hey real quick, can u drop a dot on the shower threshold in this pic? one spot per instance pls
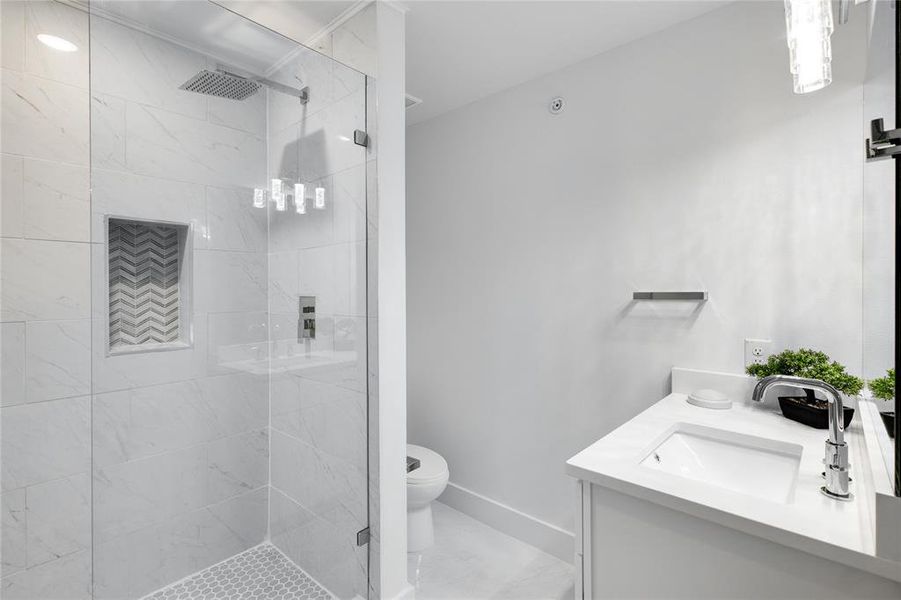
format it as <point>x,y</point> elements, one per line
<point>260,573</point>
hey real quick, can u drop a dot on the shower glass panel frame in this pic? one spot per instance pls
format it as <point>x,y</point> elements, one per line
<point>249,446</point>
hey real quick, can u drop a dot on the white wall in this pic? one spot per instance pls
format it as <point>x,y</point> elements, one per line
<point>682,161</point>
<point>390,520</point>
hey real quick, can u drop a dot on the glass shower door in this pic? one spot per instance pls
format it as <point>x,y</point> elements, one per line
<point>228,248</point>
<point>318,310</point>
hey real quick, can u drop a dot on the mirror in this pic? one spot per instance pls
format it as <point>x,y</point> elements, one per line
<point>879,227</point>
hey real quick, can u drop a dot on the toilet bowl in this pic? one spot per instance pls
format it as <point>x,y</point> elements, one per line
<point>424,485</point>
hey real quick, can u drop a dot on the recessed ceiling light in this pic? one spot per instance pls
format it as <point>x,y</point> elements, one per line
<point>57,43</point>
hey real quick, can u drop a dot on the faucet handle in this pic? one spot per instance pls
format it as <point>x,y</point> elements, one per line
<point>837,455</point>
<point>837,474</point>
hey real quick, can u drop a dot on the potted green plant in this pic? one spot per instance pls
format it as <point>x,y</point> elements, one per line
<point>812,364</point>
<point>884,389</point>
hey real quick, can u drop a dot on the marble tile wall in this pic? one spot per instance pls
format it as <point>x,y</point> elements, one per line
<point>318,452</point>
<point>45,307</point>
<point>180,437</point>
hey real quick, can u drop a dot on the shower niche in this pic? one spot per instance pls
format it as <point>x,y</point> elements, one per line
<point>148,282</point>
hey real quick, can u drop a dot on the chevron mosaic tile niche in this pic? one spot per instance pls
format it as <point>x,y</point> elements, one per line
<point>144,284</point>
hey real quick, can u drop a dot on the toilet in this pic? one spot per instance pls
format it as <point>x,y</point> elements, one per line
<point>424,484</point>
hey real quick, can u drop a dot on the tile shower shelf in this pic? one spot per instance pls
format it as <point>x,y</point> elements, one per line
<point>299,362</point>
<point>143,348</point>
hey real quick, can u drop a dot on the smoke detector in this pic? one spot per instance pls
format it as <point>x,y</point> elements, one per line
<point>555,107</point>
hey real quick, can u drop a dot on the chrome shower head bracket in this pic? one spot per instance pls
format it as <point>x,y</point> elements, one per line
<point>302,93</point>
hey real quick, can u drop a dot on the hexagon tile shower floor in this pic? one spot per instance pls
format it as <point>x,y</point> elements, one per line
<point>261,573</point>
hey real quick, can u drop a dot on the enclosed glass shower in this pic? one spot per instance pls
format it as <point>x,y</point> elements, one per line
<point>184,307</point>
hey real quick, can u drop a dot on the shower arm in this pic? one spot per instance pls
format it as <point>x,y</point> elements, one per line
<point>303,93</point>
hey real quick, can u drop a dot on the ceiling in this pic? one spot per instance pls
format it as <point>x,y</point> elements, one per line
<point>204,26</point>
<point>462,51</point>
<point>301,20</point>
<point>458,51</point>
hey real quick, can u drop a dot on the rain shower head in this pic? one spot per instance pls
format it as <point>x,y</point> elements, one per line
<point>223,84</point>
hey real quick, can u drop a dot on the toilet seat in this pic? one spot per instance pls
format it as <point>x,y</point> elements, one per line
<point>432,466</point>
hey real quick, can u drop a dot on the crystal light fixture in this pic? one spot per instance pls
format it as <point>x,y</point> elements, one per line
<point>808,25</point>
<point>276,188</point>
<point>319,197</point>
<point>259,198</point>
<point>300,199</point>
<point>277,194</point>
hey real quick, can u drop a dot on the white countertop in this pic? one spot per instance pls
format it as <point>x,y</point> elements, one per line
<point>811,522</point>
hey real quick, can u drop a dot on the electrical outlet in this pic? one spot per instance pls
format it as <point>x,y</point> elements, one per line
<point>757,351</point>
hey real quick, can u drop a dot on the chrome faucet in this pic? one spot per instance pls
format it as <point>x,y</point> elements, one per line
<point>837,468</point>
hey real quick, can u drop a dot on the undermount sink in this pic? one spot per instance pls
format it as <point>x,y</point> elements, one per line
<point>741,463</point>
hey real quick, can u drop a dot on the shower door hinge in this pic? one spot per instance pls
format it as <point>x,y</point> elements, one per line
<point>363,537</point>
<point>882,143</point>
<point>361,138</point>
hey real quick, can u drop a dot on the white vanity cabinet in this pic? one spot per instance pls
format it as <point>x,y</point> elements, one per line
<point>628,547</point>
<point>699,529</point>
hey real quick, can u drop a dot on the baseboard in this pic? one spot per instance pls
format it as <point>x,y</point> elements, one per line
<point>408,593</point>
<point>535,532</point>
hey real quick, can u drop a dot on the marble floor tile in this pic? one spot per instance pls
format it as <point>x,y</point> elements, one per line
<point>473,561</point>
